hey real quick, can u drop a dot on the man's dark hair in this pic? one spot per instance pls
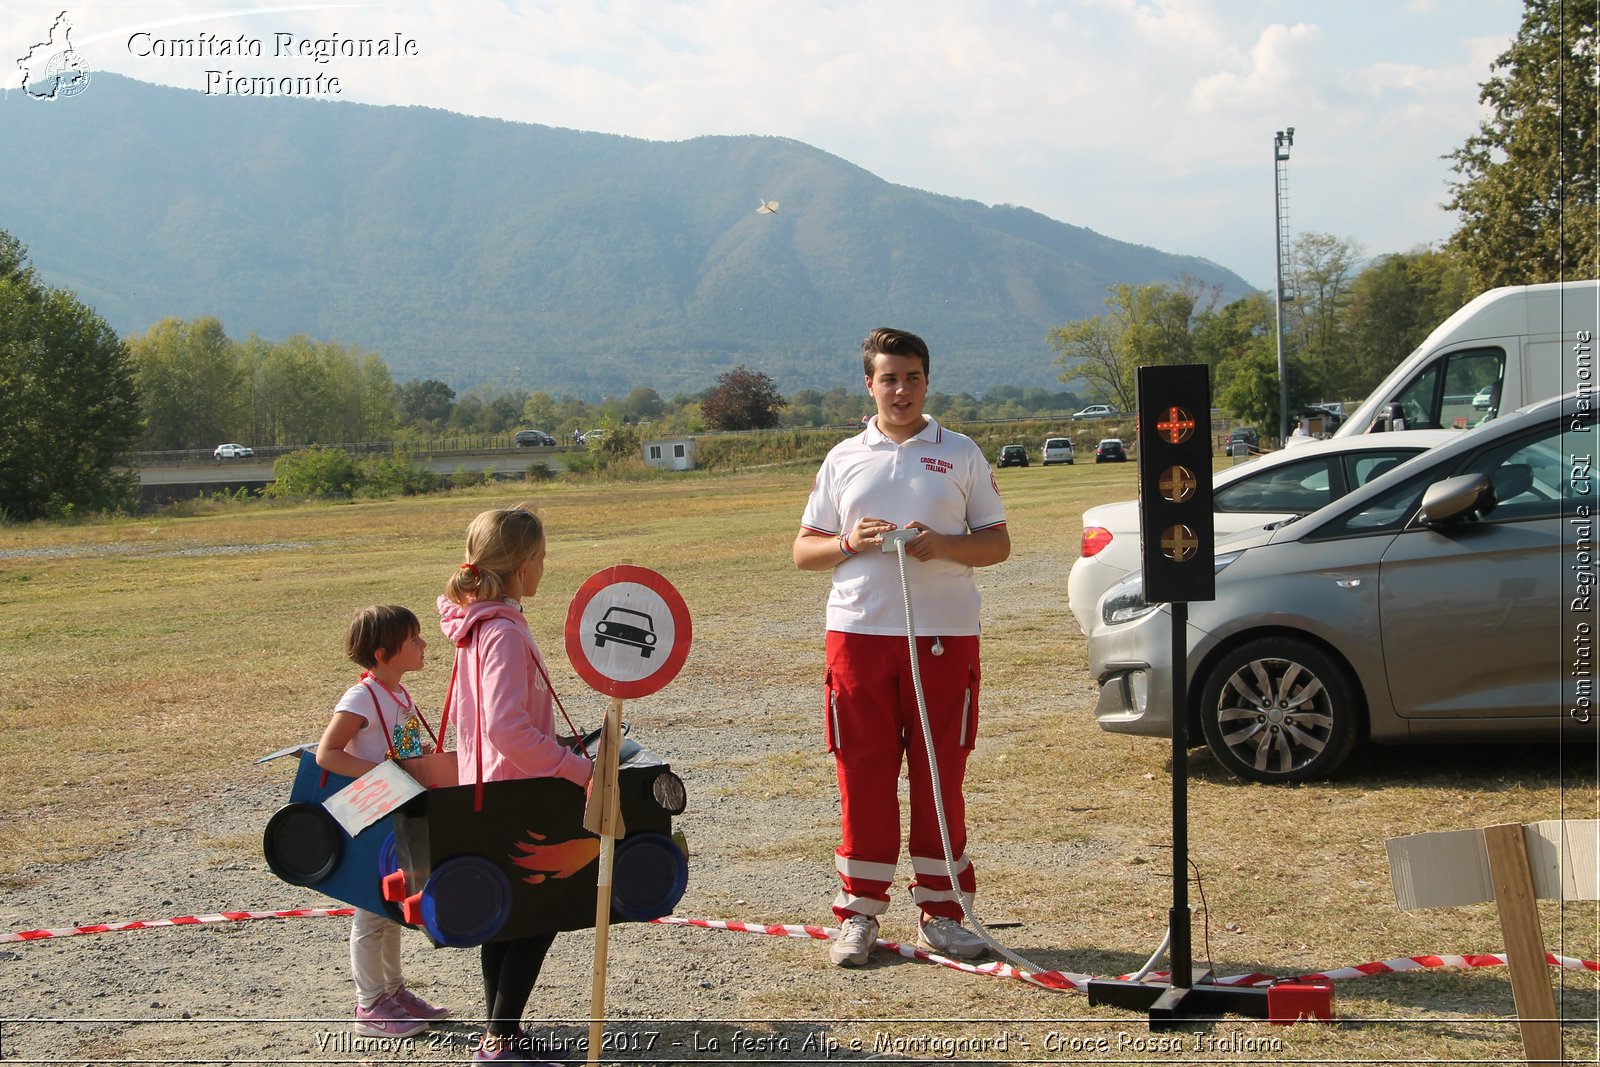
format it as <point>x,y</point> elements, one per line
<point>892,343</point>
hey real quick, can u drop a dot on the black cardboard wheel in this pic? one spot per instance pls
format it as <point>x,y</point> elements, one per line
<point>302,844</point>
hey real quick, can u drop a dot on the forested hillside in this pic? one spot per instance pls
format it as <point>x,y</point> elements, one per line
<point>477,251</point>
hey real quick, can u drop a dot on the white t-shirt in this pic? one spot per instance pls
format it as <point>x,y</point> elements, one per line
<point>400,715</point>
<point>939,478</point>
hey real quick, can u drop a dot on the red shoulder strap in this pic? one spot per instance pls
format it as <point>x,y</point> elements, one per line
<point>377,706</point>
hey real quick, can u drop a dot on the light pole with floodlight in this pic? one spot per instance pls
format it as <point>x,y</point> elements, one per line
<point>1281,143</point>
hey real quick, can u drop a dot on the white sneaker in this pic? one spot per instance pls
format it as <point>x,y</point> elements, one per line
<point>857,935</point>
<point>949,938</point>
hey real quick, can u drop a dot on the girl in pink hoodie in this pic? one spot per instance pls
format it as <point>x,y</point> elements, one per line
<point>505,725</point>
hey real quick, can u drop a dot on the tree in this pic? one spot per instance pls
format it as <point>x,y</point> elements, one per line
<point>1393,305</point>
<point>743,399</point>
<point>540,411</point>
<point>1314,325</point>
<point>69,406</point>
<point>314,471</point>
<point>1147,324</point>
<point>426,403</point>
<point>1526,191</point>
<point>191,384</point>
<point>379,399</point>
<point>1249,388</point>
<point>642,403</point>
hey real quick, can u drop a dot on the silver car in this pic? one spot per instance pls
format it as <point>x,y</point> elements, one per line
<point>1290,481</point>
<point>1451,599</point>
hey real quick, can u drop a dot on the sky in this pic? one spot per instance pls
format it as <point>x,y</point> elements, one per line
<point>1149,121</point>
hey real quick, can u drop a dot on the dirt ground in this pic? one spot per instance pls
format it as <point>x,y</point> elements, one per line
<point>761,822</point>
<point>744,734</point>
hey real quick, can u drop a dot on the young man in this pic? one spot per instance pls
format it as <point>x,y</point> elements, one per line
<point>903,471</point>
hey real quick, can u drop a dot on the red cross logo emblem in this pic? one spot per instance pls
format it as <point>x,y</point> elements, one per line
<point>1177,427</point>
<point>1177,484</point>
<point>1179,543</point>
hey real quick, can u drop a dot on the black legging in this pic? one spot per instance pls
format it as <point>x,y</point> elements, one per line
<point>509,970</point>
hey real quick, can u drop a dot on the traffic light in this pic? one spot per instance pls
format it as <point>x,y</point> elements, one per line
<point>1177,533</point>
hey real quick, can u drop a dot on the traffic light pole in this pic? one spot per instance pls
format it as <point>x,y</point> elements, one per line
<point>1180,952</point>
<point>1174,439</point>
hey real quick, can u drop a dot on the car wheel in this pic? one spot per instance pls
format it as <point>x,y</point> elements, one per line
<point>1279,709</point>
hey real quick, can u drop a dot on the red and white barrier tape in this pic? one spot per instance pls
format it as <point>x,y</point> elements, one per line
<point>182,920</point>
<point>1079,982</point>
<point>1059,980</point>
<point>1048,979</point>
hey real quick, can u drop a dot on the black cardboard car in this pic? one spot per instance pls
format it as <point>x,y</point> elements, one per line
<point>1012,456</point>
<point>469,867</point>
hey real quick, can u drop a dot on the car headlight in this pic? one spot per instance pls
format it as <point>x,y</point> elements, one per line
<point>1126,602</point>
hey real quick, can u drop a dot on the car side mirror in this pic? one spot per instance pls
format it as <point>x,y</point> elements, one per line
<point>1392,417</point>
<point>1448,500</point>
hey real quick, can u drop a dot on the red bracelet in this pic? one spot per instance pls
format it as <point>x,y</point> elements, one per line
<point>844,543</point>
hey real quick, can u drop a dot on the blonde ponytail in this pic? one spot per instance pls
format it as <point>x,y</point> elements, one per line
<point>498,542</point>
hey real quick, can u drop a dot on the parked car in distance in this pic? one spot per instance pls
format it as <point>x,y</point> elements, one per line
<point>534,438</point>
<point>1244,496</point>
<point>1095,411</point>
<point>1484,398</point>
<point>593,437</point>
<point>1056,450</point>
<point>1110,450</point>
<point>1427,605</point>
<point>233,452</point>
<point>1246,435</point>
<point>1012,456</point>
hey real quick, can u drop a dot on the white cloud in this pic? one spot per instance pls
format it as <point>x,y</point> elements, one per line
<point>1149,120</point>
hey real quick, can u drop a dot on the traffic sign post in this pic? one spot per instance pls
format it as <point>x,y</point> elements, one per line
<point>627,635</point>
<point>1177,547</point>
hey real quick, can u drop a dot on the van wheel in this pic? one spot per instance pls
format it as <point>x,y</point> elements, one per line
<point>1280,709</point>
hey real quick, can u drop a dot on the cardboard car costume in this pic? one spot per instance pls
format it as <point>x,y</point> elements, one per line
<point>522,864</point>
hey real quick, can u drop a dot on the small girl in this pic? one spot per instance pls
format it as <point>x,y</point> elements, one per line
<point>375,720</point>
<point>502,672</point>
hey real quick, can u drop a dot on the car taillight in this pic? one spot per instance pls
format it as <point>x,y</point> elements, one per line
<point>1095,538</point>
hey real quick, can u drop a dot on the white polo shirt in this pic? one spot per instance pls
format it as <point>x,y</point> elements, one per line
<point>939,478</point>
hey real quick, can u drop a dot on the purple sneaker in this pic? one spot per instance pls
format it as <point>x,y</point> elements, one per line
<point>418,1008</point>
<point>386,1018</point>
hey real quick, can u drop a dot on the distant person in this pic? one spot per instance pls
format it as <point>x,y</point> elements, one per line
<point>903,471</point>
<point>375,720</point>
<point>509,694</point>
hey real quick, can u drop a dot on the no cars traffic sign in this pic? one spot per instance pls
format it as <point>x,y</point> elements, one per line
<point>628,631</point>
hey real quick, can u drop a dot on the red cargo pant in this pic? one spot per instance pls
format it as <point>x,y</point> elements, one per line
<point>872,725</point>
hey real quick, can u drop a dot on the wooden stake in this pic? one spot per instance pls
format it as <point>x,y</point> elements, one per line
<point>605,796</point>
<point>1524,943</point>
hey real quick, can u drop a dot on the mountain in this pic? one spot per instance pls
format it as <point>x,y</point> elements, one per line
<point>478,250</point>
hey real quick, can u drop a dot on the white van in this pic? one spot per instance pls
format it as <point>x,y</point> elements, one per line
<point>1504,349</point>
